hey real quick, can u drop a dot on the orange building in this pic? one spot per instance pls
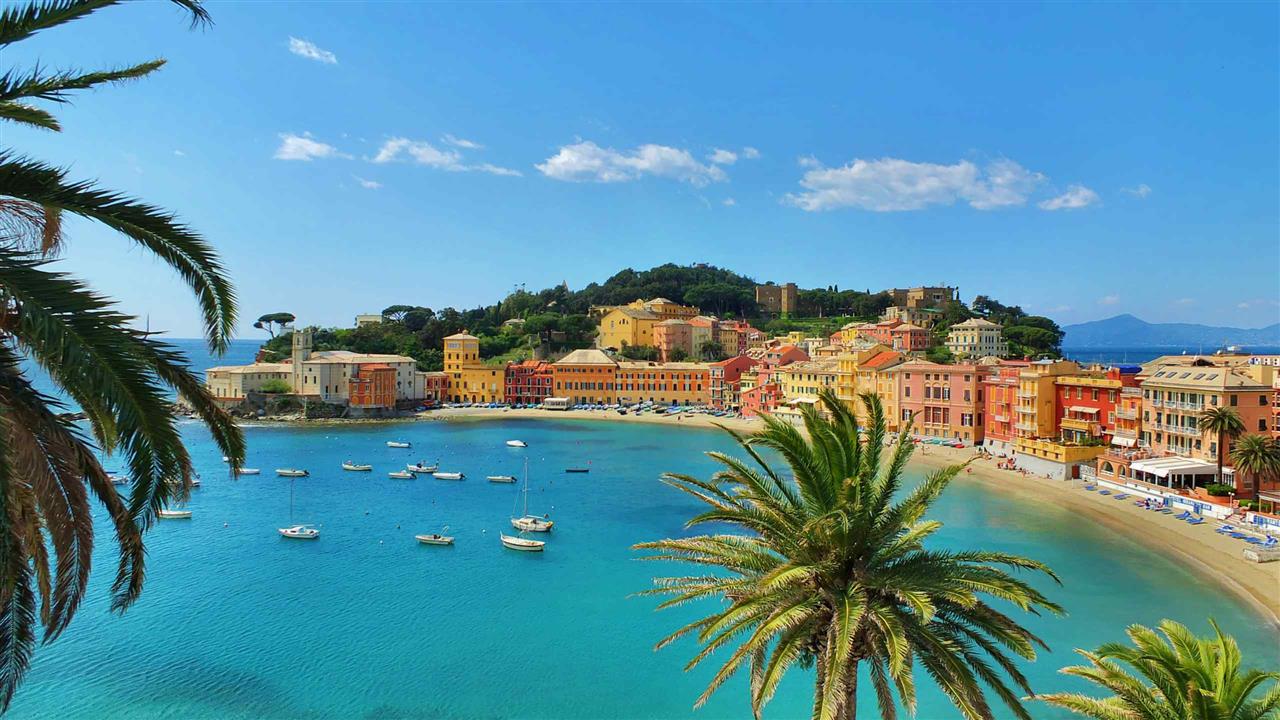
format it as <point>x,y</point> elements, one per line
<point>585,376</point>
<point>528,382</point>
<point>673,383</point>
<point>373,387</point>
<point>1000,403</point>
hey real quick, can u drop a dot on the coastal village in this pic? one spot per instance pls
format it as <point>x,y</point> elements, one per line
<point>1133,428</point>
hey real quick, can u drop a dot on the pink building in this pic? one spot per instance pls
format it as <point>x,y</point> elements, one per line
<point>726,377</point>
<point>761,399</point>
<point>671,335</point>
<point>945,400</point>
<point>999,385</point>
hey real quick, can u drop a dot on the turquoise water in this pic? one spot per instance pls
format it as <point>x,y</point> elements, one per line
<point>236,622</point>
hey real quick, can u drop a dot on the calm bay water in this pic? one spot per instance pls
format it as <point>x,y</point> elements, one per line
<point>236,622</point>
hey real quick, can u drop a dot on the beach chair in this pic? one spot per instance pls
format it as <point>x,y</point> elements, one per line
<point>1091,488</point>
<point>1182,515</point>
<point>1195,521</point>
<point>1104,492</point>
<point>1121,496</point>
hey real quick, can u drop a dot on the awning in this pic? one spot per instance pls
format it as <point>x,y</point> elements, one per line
<point>1166,466</point>
<point>1123,441</point>
<point>1083,409</point>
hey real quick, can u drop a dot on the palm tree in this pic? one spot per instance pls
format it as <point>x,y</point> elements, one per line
<point>118,376</point>
<point>832,569</point>
<point>1226,424</point>
<point>1179,677</point>
<point>1257,457</point>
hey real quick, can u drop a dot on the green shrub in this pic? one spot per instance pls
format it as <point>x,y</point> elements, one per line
<point>1218,489</point>
<point>1249,504</point>
<point>276,386</point>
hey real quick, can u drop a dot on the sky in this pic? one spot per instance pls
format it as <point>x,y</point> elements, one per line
<point>1079,160</point>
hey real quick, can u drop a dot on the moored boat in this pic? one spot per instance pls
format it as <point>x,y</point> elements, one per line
<point>448,475</point>
<point>435,539</point>
<point>527,522</point>
<point>356,467</point>
<point>517,443</point>
<point>300,532</point>
<point>577,470</point>
<point>168,514</point>
<point>420,468</point>
<point>401,475</point>
<point>501,478</point>
<point>398,444</point>
<point>291,472</point>
<point>512,542</point>
<point>248,471</point>
<point>118,479</point>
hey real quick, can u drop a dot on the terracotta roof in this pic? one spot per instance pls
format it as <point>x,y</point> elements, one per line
<point>882,360</point>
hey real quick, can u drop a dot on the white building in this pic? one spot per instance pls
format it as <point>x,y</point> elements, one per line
<point>362,320</point>
<point>977,338</point>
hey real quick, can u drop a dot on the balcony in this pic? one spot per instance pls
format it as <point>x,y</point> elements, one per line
<point>1153,402</point>
<point>1023,395</point>
<point>1026,411</point>
<point>1026,426</point>
<point>1121,433</point>
<point>1090,427</point>
<point>1127,414</point>
<point>1000,418</point>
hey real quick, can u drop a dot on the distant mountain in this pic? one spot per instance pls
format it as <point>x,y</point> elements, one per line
<point>1127,331</point>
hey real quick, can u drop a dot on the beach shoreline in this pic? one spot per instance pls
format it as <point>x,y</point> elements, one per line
<point>1205,552</point>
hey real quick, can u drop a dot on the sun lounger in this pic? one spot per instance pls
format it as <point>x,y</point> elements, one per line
<point>1182,515</point>
<point>1121,496</point>
<point>1195,521</point>
<point>1104,492</point>
<point>1091,488</point>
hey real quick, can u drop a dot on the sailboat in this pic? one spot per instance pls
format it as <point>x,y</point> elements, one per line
<point>527,522</point>
<point>512,542</point>
<point>297,532</point>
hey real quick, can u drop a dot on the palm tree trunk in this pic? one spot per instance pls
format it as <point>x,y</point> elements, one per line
<point>850,709</point>
<point>1219,478</point>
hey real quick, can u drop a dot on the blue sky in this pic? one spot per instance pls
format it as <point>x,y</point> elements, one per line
<point>1079,160</point>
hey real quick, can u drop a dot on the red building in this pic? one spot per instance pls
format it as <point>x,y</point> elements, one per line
<point>1085,405</point>
<point>726,376</point>
<point>435,387</point>
<point>903,337</point>
<point>528,382</point>
<point>374,386</point>
<point>761,399</point>
<point>1000,403</point>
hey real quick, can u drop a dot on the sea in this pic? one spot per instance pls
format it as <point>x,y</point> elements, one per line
<point>237,622</point>
<point>1139,355</point>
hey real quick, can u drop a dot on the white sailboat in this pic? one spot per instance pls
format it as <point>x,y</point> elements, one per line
<point>419,467</point>
<point>168,514</point>
<point>401,475</point>
<point>501,478</point>
<point>248,471</point>
<point>398,444</point>
<point>290,472</point>
<point>517,443</point>
<point>527,522</point>
<point>356,467</point>
<point>447,476</point>
<point>512,542</point>
<point>297,532</point>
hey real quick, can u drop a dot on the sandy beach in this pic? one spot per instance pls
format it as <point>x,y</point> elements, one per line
<point>1214,556</point>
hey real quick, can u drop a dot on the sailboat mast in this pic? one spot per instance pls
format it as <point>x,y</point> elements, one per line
<point>291,481</point>
<point>526,487</point>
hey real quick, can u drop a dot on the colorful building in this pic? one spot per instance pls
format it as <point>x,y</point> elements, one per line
<point>895,334</point>
<point>1037,407</point>
<point>924,317</point>
<point>778,299</point>
<point>1086,404</point>
<point>470,379</point>
<point>585,376</point>
<point>373,387</point>
<point>942,400</point>
<point>977,338</point>
<point>673,383</point>
<point>802,383</point>
<point>626,326</point>
<point>703,332</point>
<point>1000,403</point>
<point>674,339</point>
<point>923,297</point>
<point>726,381</point>
<point>528,382</point>
<point>1175,395</point>
<point>760,394</point>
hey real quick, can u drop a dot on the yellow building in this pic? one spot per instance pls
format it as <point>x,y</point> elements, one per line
<point>673,383</point>
<point>232,382</point>
<point>665,309</point>
<point>1036,397</point>
<point>801,383</point>
<point>470,379</point>
<point>861,371</point>
<point>626,326</point>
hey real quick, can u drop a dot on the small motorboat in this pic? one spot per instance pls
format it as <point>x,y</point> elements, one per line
<point>118,479</point>
<point>167,514</point>
<point>501,478</point>
<point>356,467</point>
<point>577,470</point>
<point>172,482</point>
<point>435,539</point>
<point>517,443</point>
<point>226,458</point>
<point>447,476</point>
<point>401,475</point>
<point>290,472</point>
<point>532,523</point>
<point>420,468</point>
<point>398,444</point>
<point>248,471</point>
<point>512,542</point>
<point>300,532</point>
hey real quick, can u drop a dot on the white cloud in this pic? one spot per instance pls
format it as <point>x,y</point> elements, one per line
<point>1184,301</point>
<point>421,152</point>
<point>808,161</point>
<point>1076,196</point>
<point>1109,300</point>
<point>1141,190</point>
<point>723,157</point>
<point>892,184</point>
<point>728,202</point>
<point>461,142</point>
<point>750,153</point>
<point>584,161</point>
<point>1258,303</point>
<point>179,153</point>
<point>304,147</point>
<point>367,184</point>
<point>310,51</point>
